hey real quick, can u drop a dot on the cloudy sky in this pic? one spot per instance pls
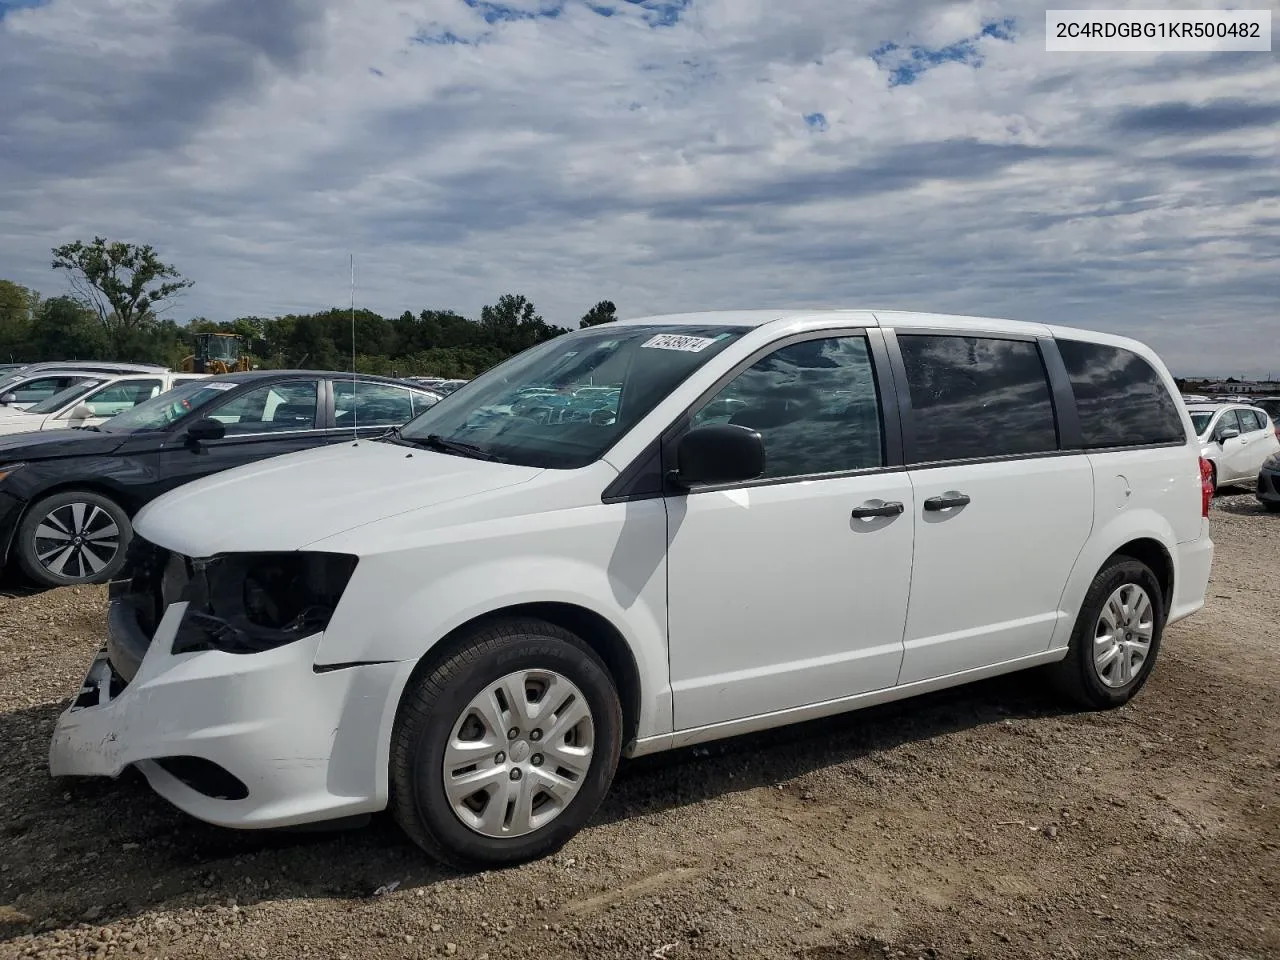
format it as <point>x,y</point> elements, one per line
<point>665,154</point>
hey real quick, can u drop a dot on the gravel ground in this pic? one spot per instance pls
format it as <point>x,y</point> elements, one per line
<point>981,822</point>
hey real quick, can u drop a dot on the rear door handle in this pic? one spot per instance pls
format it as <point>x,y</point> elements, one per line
<point>946,501</point>
<point>877,508</point>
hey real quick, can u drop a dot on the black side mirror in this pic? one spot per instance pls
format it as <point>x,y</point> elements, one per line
<point>206,429</point>
<point>719,453</point>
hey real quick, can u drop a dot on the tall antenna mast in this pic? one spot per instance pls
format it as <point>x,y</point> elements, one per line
<point>355,407</point>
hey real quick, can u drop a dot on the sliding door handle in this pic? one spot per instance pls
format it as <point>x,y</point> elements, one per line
<point>877,508</point>
<point>947,501</point>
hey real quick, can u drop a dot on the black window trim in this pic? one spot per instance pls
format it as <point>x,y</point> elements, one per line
<point>630,482</point>
<point>1178,405</point>
<point>1062,399</point>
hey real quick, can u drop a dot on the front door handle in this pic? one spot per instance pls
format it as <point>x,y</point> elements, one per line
<point>877,508</point>
<point>947,501</point>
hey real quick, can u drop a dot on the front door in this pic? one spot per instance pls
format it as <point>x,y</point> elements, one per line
<point>1001,513</point>
<point>789,590</point>
<point>105,402</point>
<point>1237,457</point>
<point>270,420</point>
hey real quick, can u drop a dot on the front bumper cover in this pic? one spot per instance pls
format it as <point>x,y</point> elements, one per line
<point>307,746</point>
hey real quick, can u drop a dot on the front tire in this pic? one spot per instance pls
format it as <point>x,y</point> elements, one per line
<point>1116,639</point>
<point>505,749</point>
<point>73,537</point>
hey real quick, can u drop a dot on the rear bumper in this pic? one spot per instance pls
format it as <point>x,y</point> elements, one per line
<point>304,746</point>
<point>1194,564</point>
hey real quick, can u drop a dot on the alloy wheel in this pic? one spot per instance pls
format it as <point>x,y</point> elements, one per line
<point>76,540</point>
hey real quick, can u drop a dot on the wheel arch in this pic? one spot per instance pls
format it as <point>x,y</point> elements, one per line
<point>1145,535</point>
<point>1157,557</point>
<point>129,504</point>
<point>593,628</point>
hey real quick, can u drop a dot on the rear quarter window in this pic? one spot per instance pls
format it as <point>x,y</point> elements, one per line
<point>1121,399</point>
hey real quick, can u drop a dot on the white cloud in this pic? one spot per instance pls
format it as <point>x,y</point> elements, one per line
<point>666,167</point>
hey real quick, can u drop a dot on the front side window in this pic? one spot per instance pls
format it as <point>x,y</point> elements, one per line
<point>1230,420</point>
<point>170,407</point>
<point>541,408</point>
<point>121,396</point>
<point>40,388</point>
<point>1121,399</point>
<point>814,403</point>
<point>271,408</point>
<point>60,399</point>
<point>364,404</point>
<point>976,397</point>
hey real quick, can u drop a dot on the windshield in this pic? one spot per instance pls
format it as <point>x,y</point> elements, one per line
<point>158,412</point>
<point>64,396</point>
<point>563,403</point>
<point>1200,422</point>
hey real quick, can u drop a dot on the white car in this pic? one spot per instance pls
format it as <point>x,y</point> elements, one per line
<point>1235,438</point>
<point>469,620</point>
<point>90,399</point>
<point>27,385</point>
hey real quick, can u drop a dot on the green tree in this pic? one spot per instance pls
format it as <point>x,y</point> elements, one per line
<point>18,305</point>
<point>125,284</point>
<point>65,329</point>
<point>602,312</point>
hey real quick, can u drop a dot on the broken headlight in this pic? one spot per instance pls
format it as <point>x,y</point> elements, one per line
<point>250,602</point>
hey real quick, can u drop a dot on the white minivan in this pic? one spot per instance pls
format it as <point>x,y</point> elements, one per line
<point>469,619</point>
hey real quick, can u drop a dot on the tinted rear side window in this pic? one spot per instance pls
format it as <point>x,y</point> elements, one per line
<point>977,397</point>
<point>1121,399</point>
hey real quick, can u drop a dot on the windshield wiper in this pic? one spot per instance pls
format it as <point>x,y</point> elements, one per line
<point>433,441</point>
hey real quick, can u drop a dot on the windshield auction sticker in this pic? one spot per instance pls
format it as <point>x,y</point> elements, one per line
<point>671,341</point>
<point>1155,31</point>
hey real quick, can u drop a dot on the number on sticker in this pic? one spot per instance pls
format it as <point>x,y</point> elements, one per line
<point>672,341</point>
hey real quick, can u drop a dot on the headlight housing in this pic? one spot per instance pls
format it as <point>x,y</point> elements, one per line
<point>1272,462</point>
<point>251,602</point>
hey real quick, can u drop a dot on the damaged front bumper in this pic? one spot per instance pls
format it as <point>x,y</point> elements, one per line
<point>258,740</point>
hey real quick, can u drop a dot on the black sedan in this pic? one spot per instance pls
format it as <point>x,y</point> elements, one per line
<point>67,496</point>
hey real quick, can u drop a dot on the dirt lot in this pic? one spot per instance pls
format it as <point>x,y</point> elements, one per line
<point>982,822</point>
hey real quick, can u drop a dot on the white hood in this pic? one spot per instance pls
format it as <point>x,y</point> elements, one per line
<point>19,421</point>
<point>288,502</point>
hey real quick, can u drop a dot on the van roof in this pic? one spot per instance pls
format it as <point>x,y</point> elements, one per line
<point>854,317</point>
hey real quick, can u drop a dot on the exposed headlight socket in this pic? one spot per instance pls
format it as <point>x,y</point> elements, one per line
<point>250,602</point>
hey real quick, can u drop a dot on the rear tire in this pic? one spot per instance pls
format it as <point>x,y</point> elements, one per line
<point>72,537</point>
<point>1271,506</point>
<point>1116,639</point>
<point>532,791</point>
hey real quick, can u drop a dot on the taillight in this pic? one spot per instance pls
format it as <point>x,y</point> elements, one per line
<point>1206,486</point>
